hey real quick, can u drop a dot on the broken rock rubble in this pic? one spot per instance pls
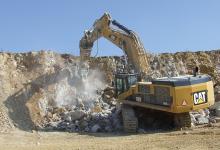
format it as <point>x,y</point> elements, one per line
<point>75,119</point>
<point>202,117</point>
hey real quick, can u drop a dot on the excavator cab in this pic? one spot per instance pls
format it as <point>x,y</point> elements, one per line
<point>124,81</point>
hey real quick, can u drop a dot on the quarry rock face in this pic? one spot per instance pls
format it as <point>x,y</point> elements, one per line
<point>44,90</point>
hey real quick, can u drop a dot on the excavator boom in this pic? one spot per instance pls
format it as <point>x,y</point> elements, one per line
<point>119,35</point>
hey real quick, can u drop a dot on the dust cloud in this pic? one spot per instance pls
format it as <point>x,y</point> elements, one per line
<point>79,87</point>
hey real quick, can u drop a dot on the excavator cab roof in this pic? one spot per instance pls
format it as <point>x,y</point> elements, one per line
<point>124,75</point>
<point>182,80</point>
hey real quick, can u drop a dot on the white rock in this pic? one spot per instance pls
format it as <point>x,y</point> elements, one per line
<point>68,118</point>
<point>107,112</point>
<point>193,119</point>
<point>95,128</point>
<point>141,131</point>
<point>77,114</point>
<point>54,124</point>
<point>202,120</point>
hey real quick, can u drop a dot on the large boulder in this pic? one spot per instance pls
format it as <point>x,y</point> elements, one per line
<point>95,128</point>
<point>76,115</point>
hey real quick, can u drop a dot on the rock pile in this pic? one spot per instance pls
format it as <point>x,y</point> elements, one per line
<point>202,117</point>
<point>79,104</point>
<point>103,117</point>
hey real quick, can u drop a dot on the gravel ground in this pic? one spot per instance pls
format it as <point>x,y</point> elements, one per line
<point>202,138</point>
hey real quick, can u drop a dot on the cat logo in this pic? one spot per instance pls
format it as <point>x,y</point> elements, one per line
<point>200,97</point>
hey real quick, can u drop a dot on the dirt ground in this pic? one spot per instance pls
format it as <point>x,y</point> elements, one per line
<point>197,139</point>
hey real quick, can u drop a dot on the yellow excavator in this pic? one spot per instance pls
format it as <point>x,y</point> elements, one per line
<point>176,96</point>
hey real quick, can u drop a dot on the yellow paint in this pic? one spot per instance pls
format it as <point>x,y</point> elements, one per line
<point>179,94</point>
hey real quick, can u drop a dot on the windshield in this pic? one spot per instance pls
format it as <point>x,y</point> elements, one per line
<point>132,80</point>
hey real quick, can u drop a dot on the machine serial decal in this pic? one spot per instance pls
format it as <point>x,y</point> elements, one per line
<point>200,97</point>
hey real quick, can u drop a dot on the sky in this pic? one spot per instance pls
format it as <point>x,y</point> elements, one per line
<point>162,25</point>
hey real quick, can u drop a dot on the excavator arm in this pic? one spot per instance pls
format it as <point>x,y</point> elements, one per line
<point>119,35</point>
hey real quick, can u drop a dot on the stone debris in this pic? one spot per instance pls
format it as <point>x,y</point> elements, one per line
<point>95,128</point>
<point>75,119</point>
<point>202,117</point>
<point>215,109</point>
